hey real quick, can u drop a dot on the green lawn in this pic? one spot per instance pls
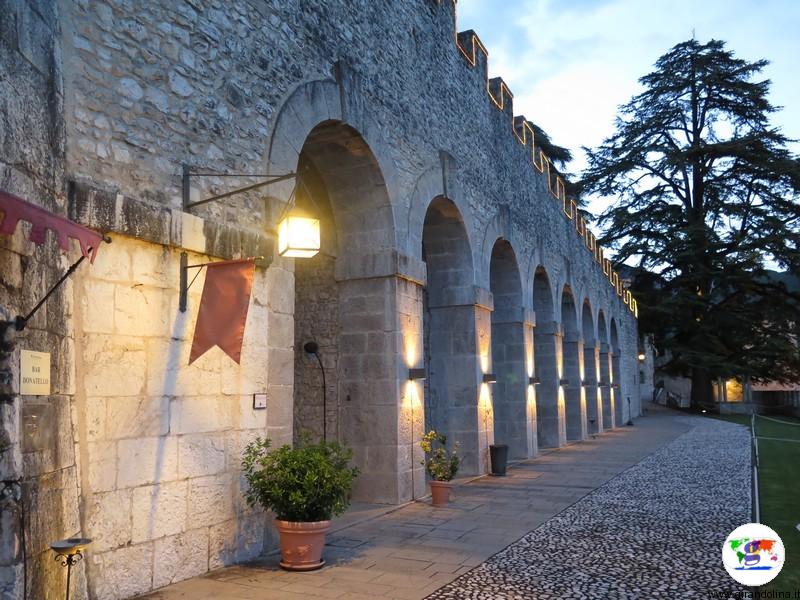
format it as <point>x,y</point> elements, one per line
<point>779,481</point>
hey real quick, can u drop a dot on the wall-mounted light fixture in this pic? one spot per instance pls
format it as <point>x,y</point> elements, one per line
<point>563,382</point>
<point>417,373</point>
<point>534,381</point>
<point>642,356</point>
<point>615,386</point>
<point>489,378</point>
<point>603,384</point>
<point>297,230</point>
<point>587,383</point>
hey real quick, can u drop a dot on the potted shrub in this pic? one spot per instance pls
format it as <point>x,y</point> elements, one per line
<point>440,465</point>
<point>305,487</point>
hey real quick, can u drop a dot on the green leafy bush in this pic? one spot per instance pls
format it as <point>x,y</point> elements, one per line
<point>308,483</point>
<point>440,465</point>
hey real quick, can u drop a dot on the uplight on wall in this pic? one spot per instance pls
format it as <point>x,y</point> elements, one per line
<point>534,381</point>
<point>642,356</point>
<point>563,382</point>
<point>416,374</point>
<point>489,378</point>
<point>298,235</point>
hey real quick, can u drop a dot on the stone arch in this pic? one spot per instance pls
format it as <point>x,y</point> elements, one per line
<point>591,357</point>
<point>454,327</point>
<point>616,387</point>
<point>514,423</point>
<point>547,347</point>
<point>571,361</point>
<point>340,303</point>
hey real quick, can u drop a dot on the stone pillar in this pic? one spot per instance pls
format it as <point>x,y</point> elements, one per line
<point>573,390</point>
<point>550,416</point>
<point>381,413</point>
<point>530,390</point>
<point>617,399</point>
<point>513,418</point>
<point>594,403</point>
<point>606,397</point>
<point>459,342</point>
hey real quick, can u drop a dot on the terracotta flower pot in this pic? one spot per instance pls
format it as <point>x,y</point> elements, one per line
<point>440,492</point>
<point>301,544</point>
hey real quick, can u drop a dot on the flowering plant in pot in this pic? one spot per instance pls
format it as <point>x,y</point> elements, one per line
<point>440,465</point>
<point>305,487</point>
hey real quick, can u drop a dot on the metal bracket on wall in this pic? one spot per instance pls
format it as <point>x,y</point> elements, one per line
<point>188,174</point>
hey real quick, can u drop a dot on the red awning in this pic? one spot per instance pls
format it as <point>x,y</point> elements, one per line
<point>16,209</point>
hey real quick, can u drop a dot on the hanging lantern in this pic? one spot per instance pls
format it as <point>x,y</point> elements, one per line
<point>298,235</point>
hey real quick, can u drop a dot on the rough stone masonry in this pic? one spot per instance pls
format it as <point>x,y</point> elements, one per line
<point>447,244</point>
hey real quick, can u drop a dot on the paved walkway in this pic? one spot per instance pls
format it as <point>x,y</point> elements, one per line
<point>413,551</point>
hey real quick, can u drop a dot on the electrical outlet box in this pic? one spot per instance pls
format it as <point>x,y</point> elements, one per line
<point>259,401</point>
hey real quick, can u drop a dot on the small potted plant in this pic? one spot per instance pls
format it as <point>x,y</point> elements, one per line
<point>440,465</point>
<point>305,487</point>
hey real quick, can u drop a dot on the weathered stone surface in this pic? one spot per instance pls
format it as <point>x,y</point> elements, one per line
<point>147,460</point>
<point>181,556</point>
<point>124,572</point>
<point>159,510</point>
<point>108,519</point>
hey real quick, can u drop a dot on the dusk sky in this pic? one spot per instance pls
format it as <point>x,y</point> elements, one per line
<point>570,64</point>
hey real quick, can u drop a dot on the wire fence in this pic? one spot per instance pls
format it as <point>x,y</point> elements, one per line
<point>754,461</point>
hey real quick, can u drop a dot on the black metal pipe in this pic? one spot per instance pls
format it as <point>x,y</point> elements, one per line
<point>313,348</point>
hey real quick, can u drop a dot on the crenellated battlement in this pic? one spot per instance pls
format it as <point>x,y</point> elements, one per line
<point>476,55</point>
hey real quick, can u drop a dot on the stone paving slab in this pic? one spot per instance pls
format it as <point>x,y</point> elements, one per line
<point>410,552</point>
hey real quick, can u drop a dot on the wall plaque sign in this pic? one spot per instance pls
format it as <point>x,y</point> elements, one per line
<point>34,373</point>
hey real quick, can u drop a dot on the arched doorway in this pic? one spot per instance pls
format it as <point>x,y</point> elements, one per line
<point>550,422</point>
<point>349,313</point>
<point>572,358</point>
<point>514,423</point>
<point>453,325</point>
<point>594,405</point>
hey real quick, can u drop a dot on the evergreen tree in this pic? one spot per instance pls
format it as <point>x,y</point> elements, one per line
<point>706,200</point>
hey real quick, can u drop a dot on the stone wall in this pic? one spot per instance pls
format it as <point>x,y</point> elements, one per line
<point>394,111</point>
<point>37,459</point>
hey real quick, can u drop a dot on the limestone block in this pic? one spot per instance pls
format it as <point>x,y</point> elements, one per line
<point>235,443</point>
<point>159,510</point>
<point>257,330</point>
<point>279,289</point>
<point>180,557</point>
<point>281,366</point>
<point>124,572</point>
<point>281,330</point>
<point>113,262</point>
<point>250,375</point>
<point>222,544</point>
<point>94,411</point>
<point>145,416</point>
<point>249,417</point>
<point>280,405</point>
<point>203,413</point>
<point>108,519</point>
<point>192,235</point>
<point>102,466</point>
<point>170,374</point>
<point>141,310</point>
<point>210,500</point>
<point>155,265</point>
<point>114,366</point>
<point>147,460</point>
<point>200,455</point>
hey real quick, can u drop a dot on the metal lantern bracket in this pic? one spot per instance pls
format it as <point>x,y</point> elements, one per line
<point>186,284</point>
<point>20,322</point>
<point>188,174</point>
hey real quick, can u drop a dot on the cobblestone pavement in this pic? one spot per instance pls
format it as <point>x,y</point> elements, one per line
<point>655,531</point>
<point>622,535</point>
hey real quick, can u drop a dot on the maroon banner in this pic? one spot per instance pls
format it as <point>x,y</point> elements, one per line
<point>223,308</point>
<point>16,209</point>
